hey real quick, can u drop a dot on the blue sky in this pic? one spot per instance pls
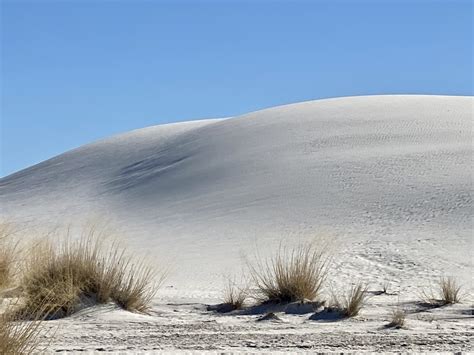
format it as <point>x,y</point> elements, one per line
<point>76,71</point>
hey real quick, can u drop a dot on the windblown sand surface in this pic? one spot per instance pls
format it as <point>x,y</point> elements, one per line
<point>389,178</point>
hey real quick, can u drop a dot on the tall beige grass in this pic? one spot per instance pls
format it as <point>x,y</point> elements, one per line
<point>448,292</point>
<point>293,273</point>
<point>234,296</point>
<point>350,304</point>
<point>65,275</point>
<point>7,255</point>
<point>15,337</point>
<point>18,337</point>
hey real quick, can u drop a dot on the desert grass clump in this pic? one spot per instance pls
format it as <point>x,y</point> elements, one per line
<point>68,275</point>
<point>134,290</point>
<point>18,337</point>
<point>234,296</point>
<point>397,319</point>
<point>292,274</point>
<point>350,304</point>
<point>448,292</point>
<point>7,255</point>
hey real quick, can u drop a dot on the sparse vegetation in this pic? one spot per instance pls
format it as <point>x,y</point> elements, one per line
<point>18,337</point>
<point>385,287</point>
<point>350,304</point>
<point>234,295</point>
<point>448,292</point>
<point>65,276</point>
<point>397,319</point>
<point>7,252</point>
<point>136,291</point>
<point>15,337</point>
<point>292,274</point>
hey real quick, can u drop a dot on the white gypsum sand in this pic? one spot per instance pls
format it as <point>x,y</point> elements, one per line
<point>388,177</point>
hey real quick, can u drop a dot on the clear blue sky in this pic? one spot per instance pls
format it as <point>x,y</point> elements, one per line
<point>77,71</point>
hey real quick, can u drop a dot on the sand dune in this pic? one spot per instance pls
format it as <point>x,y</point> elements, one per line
<point>372,166</point>
<point>389,176</point>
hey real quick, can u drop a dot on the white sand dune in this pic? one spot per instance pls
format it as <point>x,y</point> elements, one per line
<point>389,176</point>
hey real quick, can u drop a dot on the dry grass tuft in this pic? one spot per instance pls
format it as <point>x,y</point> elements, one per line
<point>351,304</point>
<point>7,255</point>
<point>234,296</point>
<point>397,319</point>
<point>15,337</point>
<point>292,274</point>
<point>135,291</point>
<point>68,275</point>
<point>449,292</point>
<point>18,337</point>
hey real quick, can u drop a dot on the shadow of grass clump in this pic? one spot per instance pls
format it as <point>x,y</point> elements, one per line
<point>328,314</point>
<point>269,307</point>
<point>269,317</point>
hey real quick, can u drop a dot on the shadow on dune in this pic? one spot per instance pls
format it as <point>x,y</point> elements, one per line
<point>143,171</point>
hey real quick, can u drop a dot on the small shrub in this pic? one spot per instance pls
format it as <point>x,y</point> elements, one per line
<point>397,319</point>
<point>292,274</point>
<point>351,304</point>
<point>70,274</point>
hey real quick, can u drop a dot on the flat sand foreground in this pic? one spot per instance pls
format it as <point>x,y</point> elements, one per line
<point>190,328</point>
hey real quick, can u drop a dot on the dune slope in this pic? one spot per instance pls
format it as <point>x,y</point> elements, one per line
<point>390,176</point>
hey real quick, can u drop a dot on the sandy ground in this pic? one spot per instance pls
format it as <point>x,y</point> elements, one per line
<point>190,327</point>
<point>388,178</point>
